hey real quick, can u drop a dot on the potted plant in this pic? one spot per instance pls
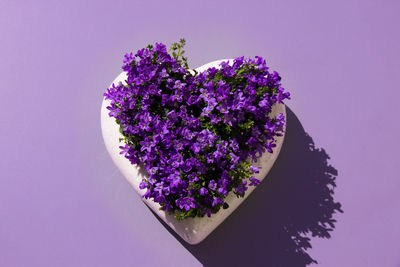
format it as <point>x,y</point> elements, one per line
<point>193,143</point>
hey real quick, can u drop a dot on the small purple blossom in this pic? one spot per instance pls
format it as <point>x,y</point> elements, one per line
<point>186,203</point>
<point>143,184</point>
<point>217,201</point>
<point>212,185</point>
<point>222,191</point>
<point>255,169</point>
<point>241,188</point>
<point>203,191</point>
<point>254,181</point>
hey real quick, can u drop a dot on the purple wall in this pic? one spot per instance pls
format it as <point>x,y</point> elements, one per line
<point>63,202</point>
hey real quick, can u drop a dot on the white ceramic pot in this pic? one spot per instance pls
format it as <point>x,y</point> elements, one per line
<point>192,230</point>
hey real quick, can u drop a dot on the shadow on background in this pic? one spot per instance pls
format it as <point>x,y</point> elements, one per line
<point>272,227</point>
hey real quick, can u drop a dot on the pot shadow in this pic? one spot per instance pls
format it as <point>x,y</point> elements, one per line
<point>274,225</point>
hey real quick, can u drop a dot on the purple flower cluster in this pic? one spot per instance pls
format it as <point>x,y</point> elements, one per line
<point>196,134</point>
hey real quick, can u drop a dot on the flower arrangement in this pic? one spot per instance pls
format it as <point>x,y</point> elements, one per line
<point>196,134</point>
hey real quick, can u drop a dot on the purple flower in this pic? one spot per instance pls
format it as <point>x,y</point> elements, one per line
<point>207,211</point>
<point>193,100</point>
<point>217,201</point>
<point>214,118</point>
<point>241,188</point>
<point>255,169</point>
<point>223,108</point>
<point>176,181</point>
<point>203,191</point>
<point>264,103</point>
<point>254,181</point>
<point>143,184</point>
<point>187,134</point>
<point>234,145</point>
<point>270,145</point>
<point>186,203</point>
<point>211,103</point>
<point>187,167</point>
<point>212,185</point>
<point>234,158</point>
<point>223,191</point>
<point>196,148</point>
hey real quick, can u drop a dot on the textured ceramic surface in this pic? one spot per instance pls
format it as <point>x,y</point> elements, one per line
<point>192,230</point>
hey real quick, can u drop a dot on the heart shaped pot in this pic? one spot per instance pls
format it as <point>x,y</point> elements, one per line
<point>192,230</point>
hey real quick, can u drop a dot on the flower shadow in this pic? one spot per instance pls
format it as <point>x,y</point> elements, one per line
<point>274,225</point>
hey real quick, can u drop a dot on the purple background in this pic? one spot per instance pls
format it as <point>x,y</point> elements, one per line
<point>64,203</point>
